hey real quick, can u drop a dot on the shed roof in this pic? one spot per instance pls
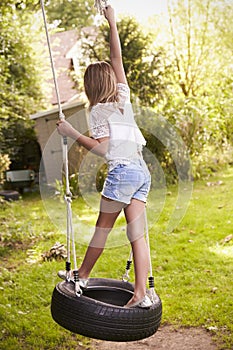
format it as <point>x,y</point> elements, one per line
<point>56,110</point>
<point>62,43</point>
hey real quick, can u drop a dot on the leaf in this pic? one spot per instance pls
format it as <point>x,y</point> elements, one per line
<point>227,239</point>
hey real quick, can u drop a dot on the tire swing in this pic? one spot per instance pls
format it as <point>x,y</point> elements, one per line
<point>98,311</point>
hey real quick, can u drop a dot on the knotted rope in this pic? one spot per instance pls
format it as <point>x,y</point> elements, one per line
<point>68,194</point>
<point>100,5</point>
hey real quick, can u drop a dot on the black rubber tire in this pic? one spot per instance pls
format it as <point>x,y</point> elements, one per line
<point>99,312</point>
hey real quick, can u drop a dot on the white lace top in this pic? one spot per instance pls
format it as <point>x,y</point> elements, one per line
<point>116,121</point>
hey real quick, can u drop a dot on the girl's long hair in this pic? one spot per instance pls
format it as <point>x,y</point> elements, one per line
<point>100,83</point>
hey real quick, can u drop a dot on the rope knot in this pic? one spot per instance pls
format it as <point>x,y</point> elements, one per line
<point>68,198</point>
<point>100,5</point>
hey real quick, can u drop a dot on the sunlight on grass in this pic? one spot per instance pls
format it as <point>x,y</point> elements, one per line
<point>192,265</point>
<point>223,251</point>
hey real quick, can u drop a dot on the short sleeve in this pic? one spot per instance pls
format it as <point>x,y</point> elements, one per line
<point>98,123</point>
<point>123,94</point>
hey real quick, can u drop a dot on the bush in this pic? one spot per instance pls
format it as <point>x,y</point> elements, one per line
<point>4,166</point>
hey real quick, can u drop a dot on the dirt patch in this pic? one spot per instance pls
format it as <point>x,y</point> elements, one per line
<point>166,338</point>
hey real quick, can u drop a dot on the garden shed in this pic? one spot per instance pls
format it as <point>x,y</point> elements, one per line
<point>51,142</point>
<point>66,52</point>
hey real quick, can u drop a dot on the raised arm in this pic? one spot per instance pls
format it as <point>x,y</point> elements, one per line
<point>115,46</point>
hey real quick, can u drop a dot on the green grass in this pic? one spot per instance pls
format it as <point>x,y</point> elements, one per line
<point>192,265</point>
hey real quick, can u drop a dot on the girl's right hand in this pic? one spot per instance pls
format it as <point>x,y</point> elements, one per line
<point>109,14</point>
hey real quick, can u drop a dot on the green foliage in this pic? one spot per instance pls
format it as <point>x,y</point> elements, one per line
<point>100,177</point>
<point>205,125</point>
<point>71,14</point>
<point>20,80</point>
<point>89,182</point>
<point>224,31</point>
<point>166,148</point>
<point>19,76</point>
<point>193,45</point>
<point>199,99</point>
<point>4,165</point>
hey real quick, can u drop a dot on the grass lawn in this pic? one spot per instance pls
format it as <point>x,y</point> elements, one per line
<point>193,266</point>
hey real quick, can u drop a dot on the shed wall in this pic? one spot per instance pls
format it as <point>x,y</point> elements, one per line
<point>51,142</point>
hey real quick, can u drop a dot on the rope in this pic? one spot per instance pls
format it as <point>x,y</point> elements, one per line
<point>100,5</point>
<point>68,195</point>
<point>125,277</point>
<point>52,61</point>
<point>151,278</point>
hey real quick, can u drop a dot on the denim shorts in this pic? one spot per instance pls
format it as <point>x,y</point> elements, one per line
<point>127,181</point>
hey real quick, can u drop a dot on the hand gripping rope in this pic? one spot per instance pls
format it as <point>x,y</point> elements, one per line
<point>100,5</point>
<point>68,194</point>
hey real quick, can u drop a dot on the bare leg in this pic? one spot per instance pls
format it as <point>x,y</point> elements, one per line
<point>109,211</point>
<point>134,214</point>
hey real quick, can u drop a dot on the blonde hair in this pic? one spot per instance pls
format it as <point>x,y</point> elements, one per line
<point>100,83</point>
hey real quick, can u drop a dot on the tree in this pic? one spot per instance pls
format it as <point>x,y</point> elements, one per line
<point>20,78</point>
<point>71,14</point>
<point>201,105</point>
<point>196,43</point>
<point>145,68</point>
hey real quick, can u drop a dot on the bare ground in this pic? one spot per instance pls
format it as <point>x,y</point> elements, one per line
<point>166,338</point>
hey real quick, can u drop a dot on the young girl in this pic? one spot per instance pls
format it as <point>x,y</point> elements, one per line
<point>115,136</point>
